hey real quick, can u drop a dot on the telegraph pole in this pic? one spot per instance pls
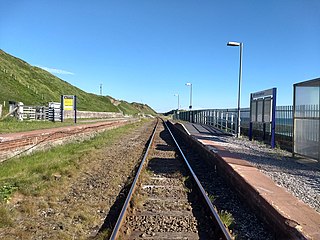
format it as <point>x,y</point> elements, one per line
<point>101,89</point>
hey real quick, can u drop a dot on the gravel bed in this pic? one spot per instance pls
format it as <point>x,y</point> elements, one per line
<point>303,181</point>
<point>245,223</point>
<point>162,206</point>
<point>78,203</point>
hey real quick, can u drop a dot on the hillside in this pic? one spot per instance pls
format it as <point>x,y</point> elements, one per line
<point>19,81</point>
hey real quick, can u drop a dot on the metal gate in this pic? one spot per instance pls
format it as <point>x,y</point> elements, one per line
<point>54,113</point>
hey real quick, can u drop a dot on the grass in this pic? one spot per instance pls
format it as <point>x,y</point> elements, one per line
<point>137,200</point>
<point>44,173</point>
<point>11,125</point>
<point>6,192</point>
<point>226,218</point>
<point>104,234</point>
<point>5,219</point>
<point>127,108</point>
<point>211,197</point>
<point>35,174</point>
<point>33,86</point>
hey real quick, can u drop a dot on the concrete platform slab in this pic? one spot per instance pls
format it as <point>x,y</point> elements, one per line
<point>291,210</point>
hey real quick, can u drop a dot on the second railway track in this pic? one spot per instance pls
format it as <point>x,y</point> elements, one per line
<point>166,201</point>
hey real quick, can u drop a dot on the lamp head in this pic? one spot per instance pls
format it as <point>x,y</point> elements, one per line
<point>188,84</point>
<point>233,44</point>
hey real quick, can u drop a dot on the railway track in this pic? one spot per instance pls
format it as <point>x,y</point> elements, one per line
<point>166,200</point>
<point>15,144</point>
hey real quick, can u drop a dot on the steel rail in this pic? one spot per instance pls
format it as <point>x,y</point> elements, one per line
<point>214,213</point>
<point>121,217</point>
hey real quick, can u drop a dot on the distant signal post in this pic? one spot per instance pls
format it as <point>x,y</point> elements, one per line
<point>69,103</point>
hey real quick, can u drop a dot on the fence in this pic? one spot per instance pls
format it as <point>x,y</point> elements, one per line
<point>226,120</point>
<point>34,113</point>
<point>40,113</point>
<point>53,113</point>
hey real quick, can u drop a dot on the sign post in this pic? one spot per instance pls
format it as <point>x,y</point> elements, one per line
<point>263,110</point>
<point>68,102</point>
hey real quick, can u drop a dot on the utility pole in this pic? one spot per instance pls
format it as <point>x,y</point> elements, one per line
<point>101,89</point>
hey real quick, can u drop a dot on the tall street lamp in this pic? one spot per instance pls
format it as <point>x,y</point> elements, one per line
<point>238,44</point>
<point>190,84</point>
<point>177,95</point>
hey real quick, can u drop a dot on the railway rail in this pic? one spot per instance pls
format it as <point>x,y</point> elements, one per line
<point>166,199</point>
<point>245,218</point>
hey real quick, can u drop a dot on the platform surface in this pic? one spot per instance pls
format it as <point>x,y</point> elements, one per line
<point>305,219</point>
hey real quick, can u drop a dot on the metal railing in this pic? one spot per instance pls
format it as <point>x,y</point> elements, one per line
<point>226,120</point>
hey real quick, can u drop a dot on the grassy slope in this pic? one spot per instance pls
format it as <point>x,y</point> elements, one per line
<point>127,108</point>
<point>20,81</point>
<point>143,108</point>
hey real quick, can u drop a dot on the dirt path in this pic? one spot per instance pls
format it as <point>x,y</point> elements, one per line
<point>76,208</point>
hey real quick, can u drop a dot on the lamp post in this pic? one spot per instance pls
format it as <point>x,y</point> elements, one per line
<point>190,84</point>
<point>177,95</point>
<point>238,44</point>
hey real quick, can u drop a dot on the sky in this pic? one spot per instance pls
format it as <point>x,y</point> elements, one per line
<point>147,50</point>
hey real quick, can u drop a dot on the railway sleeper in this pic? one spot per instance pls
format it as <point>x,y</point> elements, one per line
<point>164,206</point>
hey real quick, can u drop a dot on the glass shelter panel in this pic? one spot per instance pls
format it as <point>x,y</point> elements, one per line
<point>267,110</point>
<point>306,137</point>
<point>307,119</point>
<point>253,111</point>
<point>260,110</point>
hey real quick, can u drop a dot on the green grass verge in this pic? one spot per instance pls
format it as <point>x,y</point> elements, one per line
<point>11,125</point>
<point>30,175</point>
<point>36,174</point>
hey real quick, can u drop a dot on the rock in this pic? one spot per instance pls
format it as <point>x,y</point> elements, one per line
<point>57,177</point>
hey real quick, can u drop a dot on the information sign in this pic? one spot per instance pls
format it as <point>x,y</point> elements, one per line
<point>262,110</point>
<point>68,103</point>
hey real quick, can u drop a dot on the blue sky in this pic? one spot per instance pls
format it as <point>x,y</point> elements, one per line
<point>146,50</point>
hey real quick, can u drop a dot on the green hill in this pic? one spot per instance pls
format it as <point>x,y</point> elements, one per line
<point>31,85</point>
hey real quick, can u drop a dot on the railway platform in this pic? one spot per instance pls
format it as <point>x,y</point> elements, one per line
<point>286,211</point>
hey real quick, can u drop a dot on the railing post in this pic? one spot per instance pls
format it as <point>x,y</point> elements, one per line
<point>205,117</point>
<point>227,122</point>
<point>221,120</point>
<point>232,125</point>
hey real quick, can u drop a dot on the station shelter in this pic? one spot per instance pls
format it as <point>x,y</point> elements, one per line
<point>306,119</point>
